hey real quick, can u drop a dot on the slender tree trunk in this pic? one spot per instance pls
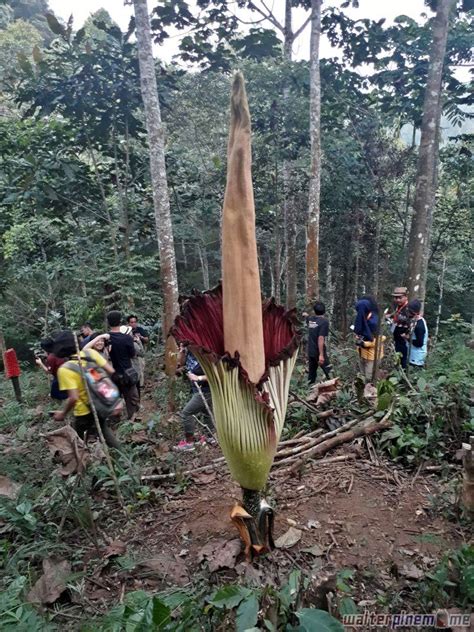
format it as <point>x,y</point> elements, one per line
<point>330,289</point>
<point>288,201</point>
<point>440,300</point>
<point>123,204</point>
<point>161,202</point>
<point>377,242</point>
<point>357,255</point>
<point>312,234</point>
<point>407,200</point>
<point>425,177</point>
<point>202,252</point>
<point>277,268</point>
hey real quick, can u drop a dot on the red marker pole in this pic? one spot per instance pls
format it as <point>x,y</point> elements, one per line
<point>12,371</point>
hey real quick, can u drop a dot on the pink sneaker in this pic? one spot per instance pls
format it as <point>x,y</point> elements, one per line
<point>184,446</point>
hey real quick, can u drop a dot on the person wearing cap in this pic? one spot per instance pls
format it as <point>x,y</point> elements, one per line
<point>401,324</point>
<point>122,351</point>
<point>419,335</point>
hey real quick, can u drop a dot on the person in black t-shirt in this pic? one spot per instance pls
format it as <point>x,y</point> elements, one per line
<point>122,350</point>
<point>318,331</point>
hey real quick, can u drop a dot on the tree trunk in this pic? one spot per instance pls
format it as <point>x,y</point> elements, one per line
<point>440,299</point>
<point>377,242</point>
<point>161,202</point>
<point>277,268</point>
<point>288,201</point>
<point>202,252</point>
<point>330,289</point>
<point>312,235</point>
<point>356,256</point>
<point>426,170</point>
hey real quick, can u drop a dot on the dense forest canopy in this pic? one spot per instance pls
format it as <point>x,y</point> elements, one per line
<point>76,212</point>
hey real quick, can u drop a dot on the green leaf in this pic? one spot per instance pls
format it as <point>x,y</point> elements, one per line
<point>347,606</point>
<point>247,613</point>
<point>229,596</point>
<point>161,613</point>
<point>421,384</point>
<point>320,620</point>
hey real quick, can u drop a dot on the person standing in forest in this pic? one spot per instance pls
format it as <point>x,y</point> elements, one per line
<point>200,402</point>
<point>138,330</point>
<point>86,333</point>
<point>366,327</point>
<point>400,322</point>
<point>121,351</point>
<point>318,331</point>
<point>50,366</point>
<point>419,335</point>
<point>70,379</point>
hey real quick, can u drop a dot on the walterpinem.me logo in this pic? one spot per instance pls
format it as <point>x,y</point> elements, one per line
<point>440,619</point>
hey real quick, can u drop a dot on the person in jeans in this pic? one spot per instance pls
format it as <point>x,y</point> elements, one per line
<point>121,351</point>
<point>73,382</point>
<point>200,403</point>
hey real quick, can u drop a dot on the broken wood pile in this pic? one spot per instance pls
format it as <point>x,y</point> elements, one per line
<point>303,446</point>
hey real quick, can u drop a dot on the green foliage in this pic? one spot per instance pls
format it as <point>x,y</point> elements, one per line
<point>432,420</point>
<point>451,583</point>
<point>16,615</point>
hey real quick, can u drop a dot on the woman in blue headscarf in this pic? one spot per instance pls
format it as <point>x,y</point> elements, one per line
<point>365,328</point>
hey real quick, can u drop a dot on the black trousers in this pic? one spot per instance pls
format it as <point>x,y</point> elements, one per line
<point>401,347</point>
<point>313,363</point>
<point>84,423</point>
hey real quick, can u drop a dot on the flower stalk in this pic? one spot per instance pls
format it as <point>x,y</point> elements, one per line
<point>246,347</point>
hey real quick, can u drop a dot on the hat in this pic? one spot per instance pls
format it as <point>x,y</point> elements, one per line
<point>400,291</point>
<point>125,329</point>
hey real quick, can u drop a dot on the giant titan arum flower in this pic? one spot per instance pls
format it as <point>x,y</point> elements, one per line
<point>246,347</point>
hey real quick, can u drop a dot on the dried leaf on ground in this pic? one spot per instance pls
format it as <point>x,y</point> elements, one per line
<point>66,445</point>
<point>410,571</point>
<point>52,583</point>
<point>9,488</point>
<point>169,568</point>
<point>139,436</point>
<point>288,539</point>
<point>204,478</point>
<point>220,553</point>
<point>324,392</point>
<point>117,547</point>
<point>315,550</point>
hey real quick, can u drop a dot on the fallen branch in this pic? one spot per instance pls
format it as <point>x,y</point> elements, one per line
<point>171,475</point>
<point>308,446</point>
<point>362,430</point>
<point>319,463</point>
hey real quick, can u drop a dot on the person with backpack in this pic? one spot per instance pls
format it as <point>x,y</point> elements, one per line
<point>318,331</point>
<point>200,402</point>
<point>122,351</point>
<point>104,394</point>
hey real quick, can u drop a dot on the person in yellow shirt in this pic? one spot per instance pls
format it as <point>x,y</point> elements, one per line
<point>73,382</point>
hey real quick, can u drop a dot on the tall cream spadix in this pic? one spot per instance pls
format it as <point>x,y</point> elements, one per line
<point>242,303</point>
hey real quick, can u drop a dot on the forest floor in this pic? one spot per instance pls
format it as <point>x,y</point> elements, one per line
<point>365,529</point>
